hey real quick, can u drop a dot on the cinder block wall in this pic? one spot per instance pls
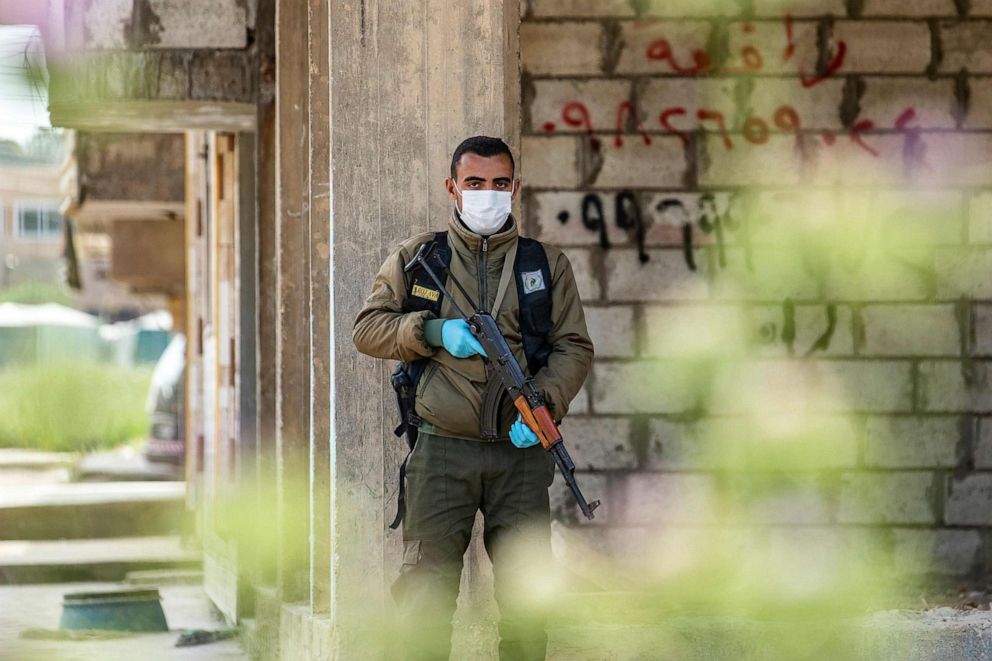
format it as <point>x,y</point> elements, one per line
<point>156,50</point>
<point>664,103</point>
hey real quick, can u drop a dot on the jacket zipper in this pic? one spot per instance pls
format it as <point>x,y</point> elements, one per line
<point>483,303</point>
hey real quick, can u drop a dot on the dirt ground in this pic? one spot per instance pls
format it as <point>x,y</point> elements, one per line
<point>973,595</point>
<point>25,607</point>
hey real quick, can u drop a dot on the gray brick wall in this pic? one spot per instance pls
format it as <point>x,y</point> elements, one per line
<point>880,111</point>
<point>158,50</point>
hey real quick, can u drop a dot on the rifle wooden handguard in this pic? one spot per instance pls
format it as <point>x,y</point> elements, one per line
<point>540,422</point>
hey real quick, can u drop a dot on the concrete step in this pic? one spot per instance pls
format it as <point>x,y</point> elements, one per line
<point>124,464</point>
<point>91,510</point>
<point>91,559</point>
<point>14,458</point>
<point>160,577</point>
<point>20,467</point>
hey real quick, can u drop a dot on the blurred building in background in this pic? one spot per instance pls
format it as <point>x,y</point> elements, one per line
<point>31,221</point>
<point>126,204</point>
<point>677,152</point>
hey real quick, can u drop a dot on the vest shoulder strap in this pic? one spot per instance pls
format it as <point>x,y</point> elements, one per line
<point>533,276</point>
<point>423,294</point>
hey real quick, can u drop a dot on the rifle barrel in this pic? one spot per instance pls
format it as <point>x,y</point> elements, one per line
<point>567,468</point>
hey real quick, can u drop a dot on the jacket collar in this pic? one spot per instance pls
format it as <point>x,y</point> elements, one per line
<point>472,242</point>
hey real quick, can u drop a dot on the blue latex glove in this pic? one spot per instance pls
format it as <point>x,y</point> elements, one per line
<point>521,435</point>
<point>457,339</point>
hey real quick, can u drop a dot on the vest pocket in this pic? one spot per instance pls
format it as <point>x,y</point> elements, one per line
<point>450,401</point>
<point>425,378</point>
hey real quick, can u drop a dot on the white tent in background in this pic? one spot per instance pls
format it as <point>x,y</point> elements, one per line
<point>36,333</point>
<point>140,340</point>
<point>48,314</point>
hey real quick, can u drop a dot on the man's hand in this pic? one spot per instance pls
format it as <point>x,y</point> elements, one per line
<point>521,435</point>
<point>457,339</point>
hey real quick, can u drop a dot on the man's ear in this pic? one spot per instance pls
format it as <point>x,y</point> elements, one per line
<point>516,188</point>
<point>449,184</point>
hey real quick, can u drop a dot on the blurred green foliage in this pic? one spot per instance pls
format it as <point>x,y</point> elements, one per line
<point>72,406</point>
<point>36,293</point>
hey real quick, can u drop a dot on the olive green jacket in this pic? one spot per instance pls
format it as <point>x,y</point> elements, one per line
<point>449,395</point>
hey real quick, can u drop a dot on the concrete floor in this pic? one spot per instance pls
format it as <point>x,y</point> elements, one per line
<point>40,607</point>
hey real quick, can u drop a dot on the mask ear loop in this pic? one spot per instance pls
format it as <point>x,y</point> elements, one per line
<point>456,199</point>
<point>513,190</point>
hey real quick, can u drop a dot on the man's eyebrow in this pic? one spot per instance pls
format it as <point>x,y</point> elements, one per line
<point>502,179</point>
<point>473,178</point>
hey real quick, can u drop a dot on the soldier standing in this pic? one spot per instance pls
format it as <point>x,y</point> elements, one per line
<point>456,467</point>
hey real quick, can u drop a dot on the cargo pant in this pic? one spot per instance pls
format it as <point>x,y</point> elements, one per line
<point>447,481</point>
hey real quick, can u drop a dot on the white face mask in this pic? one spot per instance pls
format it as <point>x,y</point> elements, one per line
<point>485,211</point>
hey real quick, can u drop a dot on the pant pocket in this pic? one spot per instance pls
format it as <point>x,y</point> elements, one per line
<point>411,557</point>
<point>428,504</point>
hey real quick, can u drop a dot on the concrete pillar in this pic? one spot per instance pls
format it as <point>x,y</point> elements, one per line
<point>320,300</point>
<point>268,318</point>
<point>292,301</point>
<point>409,81</point>
<point>247,364</point>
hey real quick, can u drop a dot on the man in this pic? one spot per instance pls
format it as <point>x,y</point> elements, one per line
<point>452,471</point>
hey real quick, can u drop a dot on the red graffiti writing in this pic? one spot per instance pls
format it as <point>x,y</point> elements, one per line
<point>576,114</point>
<point>750,58</point>
<point>660,49</point>
<point>787,119</point>
<point>665,119</point>
<point>623,111</point>
<point>836,62</point>
<point>716,116</point>
<point>856,131</point>
<point>790,42</point>
<point>755,130</point>
<point>907,115</point>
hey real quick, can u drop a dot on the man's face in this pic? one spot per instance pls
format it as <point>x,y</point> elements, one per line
<point>474,172</point>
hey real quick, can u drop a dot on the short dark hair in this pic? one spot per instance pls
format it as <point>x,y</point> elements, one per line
<point>483,146</point>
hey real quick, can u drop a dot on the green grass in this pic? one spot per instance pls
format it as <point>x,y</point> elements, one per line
<point>72,407</point>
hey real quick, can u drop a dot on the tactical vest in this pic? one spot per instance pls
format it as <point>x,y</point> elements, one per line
<point>535,324</point>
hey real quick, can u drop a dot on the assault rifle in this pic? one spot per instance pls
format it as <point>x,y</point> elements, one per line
<point>521,389</point>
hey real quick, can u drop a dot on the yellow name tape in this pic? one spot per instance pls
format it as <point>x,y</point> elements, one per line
<point>424,292</point>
